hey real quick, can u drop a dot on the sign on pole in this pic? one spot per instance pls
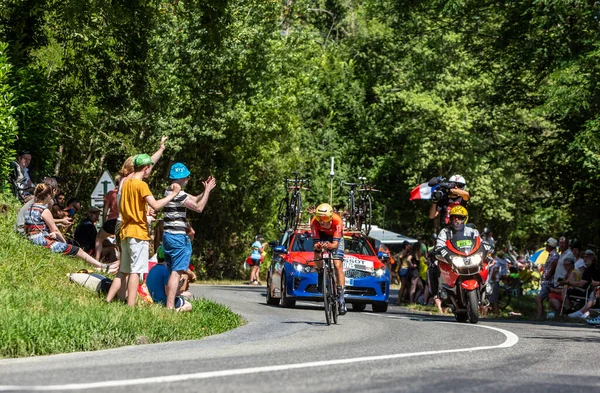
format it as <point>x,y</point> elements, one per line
<point>104,185</point>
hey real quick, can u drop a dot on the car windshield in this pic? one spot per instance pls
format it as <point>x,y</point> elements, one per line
<point>352,244</point>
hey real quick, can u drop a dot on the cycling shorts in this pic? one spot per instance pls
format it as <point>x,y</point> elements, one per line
<point>338,253</point>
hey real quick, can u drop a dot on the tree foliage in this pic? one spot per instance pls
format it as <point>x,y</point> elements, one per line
<point>504,93</point>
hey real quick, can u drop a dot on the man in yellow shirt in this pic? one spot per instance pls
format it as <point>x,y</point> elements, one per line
<point>133,206</point>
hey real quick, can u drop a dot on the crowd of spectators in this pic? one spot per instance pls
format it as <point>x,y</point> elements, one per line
<point>122,245</point>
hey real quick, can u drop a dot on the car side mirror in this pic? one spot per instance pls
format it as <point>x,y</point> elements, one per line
<point>273,243</point>
<point>279,249</point>
<point>384,255</point>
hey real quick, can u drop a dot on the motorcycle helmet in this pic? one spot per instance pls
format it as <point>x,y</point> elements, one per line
<point>324,212</point>
<point>458,180</point>
<point>459,211</point>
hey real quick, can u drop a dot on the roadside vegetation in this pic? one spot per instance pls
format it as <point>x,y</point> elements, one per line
<point>42,313</point>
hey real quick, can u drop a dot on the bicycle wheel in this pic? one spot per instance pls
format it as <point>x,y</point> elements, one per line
<point>295,210</point>
<point>326,294</point>
<point>334,296</point>
<point>504,298</point>
<point>350,221</point>
<point>282,222</point>
<point>366,215</point>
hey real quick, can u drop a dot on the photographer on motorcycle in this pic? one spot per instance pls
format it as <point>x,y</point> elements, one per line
<point>446,196</point>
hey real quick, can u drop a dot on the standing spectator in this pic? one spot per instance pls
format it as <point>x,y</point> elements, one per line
<point>565,252</point>
<point>41,229</point>
<point>547,275</point>
<point>416,259</point>
<point>135,199</point>
<point>501,265</point>
<point>19,178</point>
<point>85,233</point>
<point>110,213</point>
<point>489,238</point>
<point>403,266</point>
<point>256,257</point>
<point>176,242</point>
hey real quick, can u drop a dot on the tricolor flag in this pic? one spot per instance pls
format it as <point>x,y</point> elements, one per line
<point>422,191</point>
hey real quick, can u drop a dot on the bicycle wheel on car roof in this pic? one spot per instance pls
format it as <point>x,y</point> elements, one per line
<point>366,214</point>
<point>282,214</point>
<point>351,212</point>
<point>295,211</point>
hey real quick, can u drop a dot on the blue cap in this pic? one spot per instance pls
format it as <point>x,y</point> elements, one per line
<point>178,171</point>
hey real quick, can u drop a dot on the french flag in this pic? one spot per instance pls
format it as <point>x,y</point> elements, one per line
<point>422,191</point>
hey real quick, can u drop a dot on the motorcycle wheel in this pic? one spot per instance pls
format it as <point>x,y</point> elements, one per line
<point>472,307</point>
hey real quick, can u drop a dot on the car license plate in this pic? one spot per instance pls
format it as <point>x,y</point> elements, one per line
<point>350,281</point>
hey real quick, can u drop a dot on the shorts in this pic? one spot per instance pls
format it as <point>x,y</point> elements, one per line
<point>134,256</point>
<point>178,251</point>
<point>403,272</point>
<point>109,226</point>
<point>338,253</point>
<point>495,295</point>
<point>179,301</point>
<point>544,291</point>
<point>255,262</point>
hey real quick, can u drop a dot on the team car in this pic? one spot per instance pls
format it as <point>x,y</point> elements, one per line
<point>292,274</point>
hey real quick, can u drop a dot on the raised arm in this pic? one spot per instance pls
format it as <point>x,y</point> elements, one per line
<point>198,203</point>
<point>157,154</point>
<point>157,205</point>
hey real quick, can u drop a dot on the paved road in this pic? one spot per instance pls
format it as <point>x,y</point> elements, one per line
<point>292,350</point>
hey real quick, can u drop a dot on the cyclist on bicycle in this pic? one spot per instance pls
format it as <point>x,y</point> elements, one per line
<point>327,233</point>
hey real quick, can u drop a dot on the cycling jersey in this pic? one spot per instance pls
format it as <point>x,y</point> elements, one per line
<point>335,232</point>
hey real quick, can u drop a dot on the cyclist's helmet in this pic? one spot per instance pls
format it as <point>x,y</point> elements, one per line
<point>324,212</point>
<point>459,211</point>
<point>458,180</point>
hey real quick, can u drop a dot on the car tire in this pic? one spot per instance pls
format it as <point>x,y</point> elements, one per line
<point>358,307</point>
<point>380,307</point>
<point>285,300</point>
<point>270,299</point>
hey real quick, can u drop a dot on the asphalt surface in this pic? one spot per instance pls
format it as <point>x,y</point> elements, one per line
<point>293,350</point>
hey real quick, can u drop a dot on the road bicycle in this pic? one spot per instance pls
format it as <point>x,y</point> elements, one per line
<point>360,205</point>
<point>330,293</point>
<point>289,212</point>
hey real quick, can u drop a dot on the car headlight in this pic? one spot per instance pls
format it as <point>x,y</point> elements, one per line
<point>301,268</point>
<point>379,272</point>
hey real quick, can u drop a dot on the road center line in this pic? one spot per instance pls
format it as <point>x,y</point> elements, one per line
<point>511,339</point>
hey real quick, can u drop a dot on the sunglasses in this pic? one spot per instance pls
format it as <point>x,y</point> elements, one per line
<point>323,219</point>
<point>459,218</point>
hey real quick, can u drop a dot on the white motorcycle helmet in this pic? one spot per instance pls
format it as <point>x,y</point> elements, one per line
<point>458,179</point>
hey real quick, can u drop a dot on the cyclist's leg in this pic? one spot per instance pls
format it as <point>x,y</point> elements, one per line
<point>319,265</point>
<point>338,256</point>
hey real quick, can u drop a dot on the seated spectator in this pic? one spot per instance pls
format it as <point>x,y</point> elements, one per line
<point>19,179</point>
<point>72,207</point>
<point>20,223</point>
<point>157,280</point>
<point>58,209</point>
<point>41,229</point>
<point>557,294</point>
<point>576,250</point>
<point>85,233</point>
<point>591,276</point>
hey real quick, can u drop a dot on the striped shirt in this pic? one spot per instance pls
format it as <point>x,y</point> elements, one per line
<point>175,213</point>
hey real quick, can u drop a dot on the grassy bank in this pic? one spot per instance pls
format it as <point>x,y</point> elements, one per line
<point>42,313</point>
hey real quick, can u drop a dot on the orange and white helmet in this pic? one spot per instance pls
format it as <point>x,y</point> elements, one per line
<point>458,179</point>
<point>324,212</point>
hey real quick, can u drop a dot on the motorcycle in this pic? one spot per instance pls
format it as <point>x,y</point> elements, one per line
<point>463,265</point>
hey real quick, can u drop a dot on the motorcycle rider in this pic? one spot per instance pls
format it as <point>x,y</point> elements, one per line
<point>457,228</point>
<point>456,195</point>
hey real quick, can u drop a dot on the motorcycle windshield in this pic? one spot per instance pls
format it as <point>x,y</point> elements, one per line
<point>463,245</point>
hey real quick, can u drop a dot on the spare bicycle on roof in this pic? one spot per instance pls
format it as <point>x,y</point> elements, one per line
<point>359,210</point>
<point>289,213</point>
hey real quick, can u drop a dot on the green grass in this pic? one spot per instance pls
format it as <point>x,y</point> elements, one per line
<point>42,313</point>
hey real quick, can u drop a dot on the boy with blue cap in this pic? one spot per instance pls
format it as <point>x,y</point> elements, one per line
<point>177,245</point>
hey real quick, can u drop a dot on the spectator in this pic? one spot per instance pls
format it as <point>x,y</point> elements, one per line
<point>72,207</point>
<point>176,242</point>
<point>501,265</point>
<point>157,283</point>
<point>41,229</point>
<point>256,257</point>
<point>135,199</point>
<point>547,275</point>
<point>58,209</point>
<point>20,224</point>
<point>579,262</point>
<point>558,293</point>
<point>85,233</point>
<point>565,252</point>
<point>489,238</point>
<point>591,276</point>
<point>416,259</point>
<point>19,178</point>
<point>110,213</point>
<point>403,266</point>
<point>494,281</point>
